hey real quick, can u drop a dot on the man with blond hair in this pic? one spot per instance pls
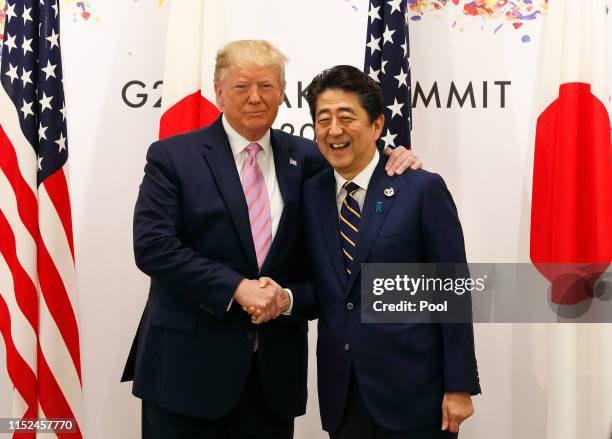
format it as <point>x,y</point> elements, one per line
<point>218,208</point>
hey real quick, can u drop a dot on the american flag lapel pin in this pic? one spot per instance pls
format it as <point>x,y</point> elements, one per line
<point>292,162</point>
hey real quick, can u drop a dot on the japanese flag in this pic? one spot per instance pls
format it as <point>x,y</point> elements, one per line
<point>571,211</point>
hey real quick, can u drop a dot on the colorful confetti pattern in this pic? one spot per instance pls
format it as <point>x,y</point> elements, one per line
<point>84,11</point>
<point>488,14</point>
<point>79,10</point>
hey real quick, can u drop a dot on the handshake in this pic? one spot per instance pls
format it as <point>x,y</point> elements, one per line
<point>262,299</point>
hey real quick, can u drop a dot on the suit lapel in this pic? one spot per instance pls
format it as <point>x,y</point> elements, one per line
<point>218,154</point>
<point>371,219</point>
<point>288,177</point>
<point>327,214</point>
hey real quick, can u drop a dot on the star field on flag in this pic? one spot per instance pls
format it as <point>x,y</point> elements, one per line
<point>387,62</point>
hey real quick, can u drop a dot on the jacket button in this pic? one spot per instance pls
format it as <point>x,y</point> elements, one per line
<point>349,306</point>
<point>347,347</point>
<point>250,335</point>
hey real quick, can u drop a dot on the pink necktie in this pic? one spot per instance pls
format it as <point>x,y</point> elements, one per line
<point>256,196</point>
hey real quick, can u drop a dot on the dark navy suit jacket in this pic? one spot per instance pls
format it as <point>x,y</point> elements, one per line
<point>403,370</point>
<point>192,237</point>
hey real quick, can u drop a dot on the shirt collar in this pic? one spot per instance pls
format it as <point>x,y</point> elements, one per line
<point>238,142</point>
<point>362,179</point>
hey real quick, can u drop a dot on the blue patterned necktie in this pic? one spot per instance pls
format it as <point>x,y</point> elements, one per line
<point>350,215</point>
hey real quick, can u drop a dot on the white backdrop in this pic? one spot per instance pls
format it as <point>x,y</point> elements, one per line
<point>538,381</point>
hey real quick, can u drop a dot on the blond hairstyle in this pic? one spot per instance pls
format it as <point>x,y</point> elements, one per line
<point>249,53</point>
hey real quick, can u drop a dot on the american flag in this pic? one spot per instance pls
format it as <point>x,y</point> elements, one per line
<point>387,61</point>
<point>38,303</point>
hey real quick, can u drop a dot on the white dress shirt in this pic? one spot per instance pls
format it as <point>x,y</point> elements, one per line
<point>265,161</point>
<point>362,180</point>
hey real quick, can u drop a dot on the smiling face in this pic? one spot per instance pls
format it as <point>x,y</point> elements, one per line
<point>345,135</point>
<point>249,97</point>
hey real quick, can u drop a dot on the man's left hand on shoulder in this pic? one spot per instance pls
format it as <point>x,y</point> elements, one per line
<point>400,159</point>
<point>456,408</point>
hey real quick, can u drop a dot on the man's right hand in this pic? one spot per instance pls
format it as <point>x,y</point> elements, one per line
<point>250,295</point>
<point>456,408</point>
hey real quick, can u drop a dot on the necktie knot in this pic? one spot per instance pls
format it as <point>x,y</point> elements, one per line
<point>350,187</point>
<point>252,149</point>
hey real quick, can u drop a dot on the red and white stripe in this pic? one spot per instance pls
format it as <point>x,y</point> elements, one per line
<point>38,293</point>
<point>195,33</point>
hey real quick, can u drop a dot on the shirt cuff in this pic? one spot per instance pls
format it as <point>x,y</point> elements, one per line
<point>288,312</point>
<point>230,304</point>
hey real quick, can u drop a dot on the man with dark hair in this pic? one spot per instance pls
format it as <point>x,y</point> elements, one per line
<point>217,209</point>
<point>400,381</point>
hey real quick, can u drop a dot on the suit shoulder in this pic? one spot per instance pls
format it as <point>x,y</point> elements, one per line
<point>429,187</point>
<point>313,184</point>
<point>420,179</point>
<point>183,139</point>
<point>301,144</point>
<point>178,144</point>
<point>302,149</point>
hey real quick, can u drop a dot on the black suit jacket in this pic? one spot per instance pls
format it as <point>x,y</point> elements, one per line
<point>403,370</point>
<point>192,237</point>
